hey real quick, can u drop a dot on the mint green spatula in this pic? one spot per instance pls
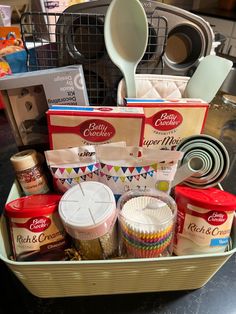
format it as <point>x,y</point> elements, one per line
<point>126,36</point>
<point>208,78</point>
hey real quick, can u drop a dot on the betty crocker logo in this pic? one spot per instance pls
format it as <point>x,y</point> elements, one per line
<point>216,218</point>
<point>166,120</point>
<point>36,224</point>
<point>96,130</point>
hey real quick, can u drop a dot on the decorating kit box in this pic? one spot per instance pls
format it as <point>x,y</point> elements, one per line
<point>27,96</point>
<point>76,126</point>
<point>167,122</point>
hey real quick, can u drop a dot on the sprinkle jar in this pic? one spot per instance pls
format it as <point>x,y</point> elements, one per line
<point>88,212</point>
<point>29,172</point>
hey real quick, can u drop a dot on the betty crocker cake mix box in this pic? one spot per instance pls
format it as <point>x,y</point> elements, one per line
<point>71,126</point>
<point>167,122</point>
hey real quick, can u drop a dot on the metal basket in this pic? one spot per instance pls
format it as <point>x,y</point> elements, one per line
<point>60,39</point>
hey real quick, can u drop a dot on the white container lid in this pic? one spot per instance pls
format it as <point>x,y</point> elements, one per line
<point>88,210</point>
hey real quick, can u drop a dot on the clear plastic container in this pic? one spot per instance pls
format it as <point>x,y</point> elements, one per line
<point>88,213</point>
<point>147,223</point>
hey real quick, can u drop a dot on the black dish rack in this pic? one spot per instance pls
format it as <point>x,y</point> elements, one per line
<point>60,39</point>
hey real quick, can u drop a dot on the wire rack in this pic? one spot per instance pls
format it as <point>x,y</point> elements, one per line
<point>60,39</point>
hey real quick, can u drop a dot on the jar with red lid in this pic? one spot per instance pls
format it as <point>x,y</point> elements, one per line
<point>35,228</point>
<point>204,220</point>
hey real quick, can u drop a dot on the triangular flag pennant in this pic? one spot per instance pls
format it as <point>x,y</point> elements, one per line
<point>97,165</point>
<point>117,168</point>
<point>69,170</point>
<point>124,169</point>
<point>109,167</point>
<point>62,180</point>
<point>76,170</point>
<point>137,177</point>
<point>115,178</point>
<point>102,165</point>
<point>108,177</point>
<point>102,174</point>
<point>90,175</point>
<point>131,169</point>
<point>53,169</point>
<point>146,168</point>
<point>83,177</point>
<point>144,175</point>
<point>151,173</point>
<point>154,166</point>
<point>90,167</point>
<point>96,172</point>
<point>83,169</point>
<point>69,180</point>
<point>130,178</point>
<point>61,170</point>
<point>77,179</point>
<point>122,179</point>
<point>138,169</point>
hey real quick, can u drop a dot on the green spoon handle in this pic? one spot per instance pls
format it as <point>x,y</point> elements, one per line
<point>129,76</point>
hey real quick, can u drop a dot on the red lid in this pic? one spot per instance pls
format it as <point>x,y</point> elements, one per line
<point>33,205</point>
<point>211,198</point>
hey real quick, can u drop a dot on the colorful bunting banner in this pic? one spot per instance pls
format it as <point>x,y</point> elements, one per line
<point>126,169</point>
<point>130,178</point>
<point>75,170</point>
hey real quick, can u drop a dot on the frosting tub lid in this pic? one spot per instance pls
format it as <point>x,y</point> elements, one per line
<point>33,205</point>
<point>211,198</point>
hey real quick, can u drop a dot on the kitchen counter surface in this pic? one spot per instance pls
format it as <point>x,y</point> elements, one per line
<point>216,12</point>
<point>217,296</point>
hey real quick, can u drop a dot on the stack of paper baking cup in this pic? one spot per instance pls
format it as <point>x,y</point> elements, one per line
<point>205,161</point>
<point>147,221</point>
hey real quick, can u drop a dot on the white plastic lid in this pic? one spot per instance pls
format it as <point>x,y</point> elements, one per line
<point>88,210</point>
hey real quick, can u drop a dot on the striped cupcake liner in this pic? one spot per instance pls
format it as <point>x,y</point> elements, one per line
<point>146,242</point>
<point>146,236</point>
<point>144,252</point>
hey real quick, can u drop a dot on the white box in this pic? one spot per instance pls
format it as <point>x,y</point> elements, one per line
<point>27,96</point>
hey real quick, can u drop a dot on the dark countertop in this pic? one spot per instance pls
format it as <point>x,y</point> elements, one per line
<point>216,12</point>
<point>217,296</point>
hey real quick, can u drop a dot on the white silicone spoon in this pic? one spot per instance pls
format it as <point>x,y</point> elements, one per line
<point>126,36</point>
<point>208,78</point>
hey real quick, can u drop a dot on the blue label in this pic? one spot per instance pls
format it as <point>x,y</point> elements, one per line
<point>73,108</point>
<point>143,100</point>
<point>219,242</point>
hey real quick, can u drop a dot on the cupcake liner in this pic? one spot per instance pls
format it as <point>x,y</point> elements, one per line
<point>145,235</point>
<point>147,223</point>
<point>139,252</point>
<point>147,242</point>
<point>161,245</point>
